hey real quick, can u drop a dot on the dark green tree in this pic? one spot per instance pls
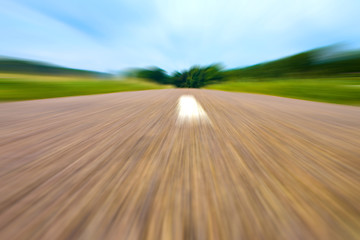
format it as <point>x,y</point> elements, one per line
<point>197,77</point>
<point>154,74</point>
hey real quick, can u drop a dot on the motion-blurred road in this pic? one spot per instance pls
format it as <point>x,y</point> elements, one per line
<point>146,165</point>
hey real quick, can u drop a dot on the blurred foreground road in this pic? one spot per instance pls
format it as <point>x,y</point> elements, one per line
<point>128,166</point>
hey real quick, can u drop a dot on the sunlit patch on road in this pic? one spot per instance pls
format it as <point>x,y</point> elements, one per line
<point>190,110</point>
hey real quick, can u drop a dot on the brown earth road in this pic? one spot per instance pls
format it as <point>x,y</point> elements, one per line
<point>122,166</point>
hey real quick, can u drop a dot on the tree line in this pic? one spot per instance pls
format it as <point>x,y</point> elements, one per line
<point>13,65</point>
<point>195,77</point>
<point>321,62</point>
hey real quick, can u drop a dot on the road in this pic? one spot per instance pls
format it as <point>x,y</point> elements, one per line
<point>179,164</point>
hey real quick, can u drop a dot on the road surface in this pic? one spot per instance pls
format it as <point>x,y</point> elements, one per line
<point>179,164</point>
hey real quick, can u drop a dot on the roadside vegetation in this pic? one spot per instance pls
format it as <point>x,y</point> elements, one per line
<point>332,90</point>
<point>26,86</point>
<point>326,74</point>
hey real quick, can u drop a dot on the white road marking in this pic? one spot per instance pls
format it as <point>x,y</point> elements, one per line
<point>190,110</point>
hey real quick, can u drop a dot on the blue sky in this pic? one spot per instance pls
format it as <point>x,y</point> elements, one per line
<point>111,35</point>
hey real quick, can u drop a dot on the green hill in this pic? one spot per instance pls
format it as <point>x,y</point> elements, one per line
<point>11,65</point>
<point>314,63</point>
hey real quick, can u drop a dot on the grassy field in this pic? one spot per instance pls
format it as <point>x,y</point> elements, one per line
<point>15,87</point>
<point>332,90</point>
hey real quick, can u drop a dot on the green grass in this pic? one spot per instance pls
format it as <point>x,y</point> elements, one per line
<point>332,90</point>
<point>14,87</point>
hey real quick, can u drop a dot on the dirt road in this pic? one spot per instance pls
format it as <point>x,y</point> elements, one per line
<point>146,165</point>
